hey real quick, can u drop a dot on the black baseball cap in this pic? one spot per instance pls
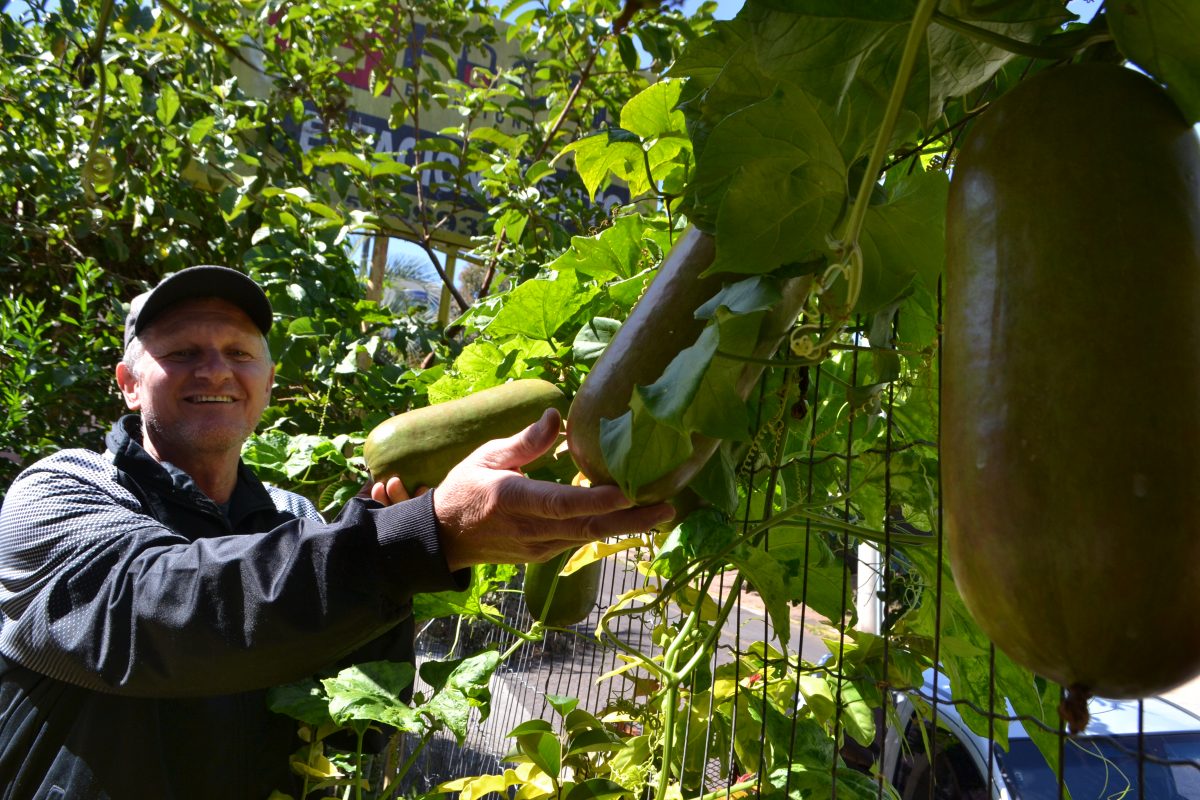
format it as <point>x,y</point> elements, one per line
<point>196,282</point>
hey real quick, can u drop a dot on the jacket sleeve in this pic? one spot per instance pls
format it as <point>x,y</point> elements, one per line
<point>96,593</point>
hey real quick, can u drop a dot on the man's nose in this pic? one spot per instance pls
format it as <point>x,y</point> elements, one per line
<point>213,365</point>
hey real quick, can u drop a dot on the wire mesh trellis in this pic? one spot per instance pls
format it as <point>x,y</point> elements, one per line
<point>836,694</point>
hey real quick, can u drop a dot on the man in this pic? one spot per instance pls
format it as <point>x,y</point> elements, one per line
<point>150,595</point>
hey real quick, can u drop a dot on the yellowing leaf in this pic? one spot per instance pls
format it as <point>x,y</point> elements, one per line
<point>643,592</point>
<point>318,767</point>
<point>534,782</point>
<point>595,551</point>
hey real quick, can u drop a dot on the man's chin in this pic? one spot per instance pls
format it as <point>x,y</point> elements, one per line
<point>200,438</point>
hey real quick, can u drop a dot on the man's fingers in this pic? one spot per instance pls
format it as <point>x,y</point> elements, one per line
<point>552,501</point>
<point>389,492</point>
<point>580,530</point>
<point>556,536</point>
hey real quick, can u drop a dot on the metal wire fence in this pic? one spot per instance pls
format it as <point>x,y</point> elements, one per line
<point>851,705</point>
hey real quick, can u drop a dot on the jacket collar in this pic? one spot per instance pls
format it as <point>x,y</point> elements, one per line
<point>165,479</point>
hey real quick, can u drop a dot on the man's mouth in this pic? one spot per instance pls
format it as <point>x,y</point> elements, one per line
<point>211,398</point>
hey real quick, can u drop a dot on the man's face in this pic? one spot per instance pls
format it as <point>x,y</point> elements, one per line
<point>203,379</point>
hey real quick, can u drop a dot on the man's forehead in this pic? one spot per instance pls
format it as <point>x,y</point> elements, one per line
<point>201,312</point>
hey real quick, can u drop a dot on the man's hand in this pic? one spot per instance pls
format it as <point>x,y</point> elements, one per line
<point>489,513</point>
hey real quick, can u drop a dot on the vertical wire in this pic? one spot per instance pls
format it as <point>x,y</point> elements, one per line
<point>887,563</point>
<point>607,579</point>
<point>730,774</point>
<point>991,717</point>
<point>1141,740</point>
<point>768,507</point>
<point>941,554</point>
<point>845,538</point>
<point>801,398</point>
<point>1062,747</point>
<point>812,457</point>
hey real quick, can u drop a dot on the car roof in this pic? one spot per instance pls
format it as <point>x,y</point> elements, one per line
<point>1108,717</point>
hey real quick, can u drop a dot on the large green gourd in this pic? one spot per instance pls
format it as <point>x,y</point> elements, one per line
<point>661,325</point>
<point>1071,385</point>
<point>422,445</point>
<point>574,595</point>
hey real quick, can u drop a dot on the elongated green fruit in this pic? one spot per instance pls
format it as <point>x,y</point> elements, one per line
<point>574,595</point>
<point>422,445</point>
<point>1071,382</point>
<point>661,325</point>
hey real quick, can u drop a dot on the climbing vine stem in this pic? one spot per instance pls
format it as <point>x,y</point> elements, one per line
<point>848,244</point>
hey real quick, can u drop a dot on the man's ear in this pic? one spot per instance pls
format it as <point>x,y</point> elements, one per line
<point>130,387</point>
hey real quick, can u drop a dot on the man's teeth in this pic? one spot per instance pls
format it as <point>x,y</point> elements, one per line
<point>212,398</point>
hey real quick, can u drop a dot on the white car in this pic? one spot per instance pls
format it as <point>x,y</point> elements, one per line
<point>1101,763</point>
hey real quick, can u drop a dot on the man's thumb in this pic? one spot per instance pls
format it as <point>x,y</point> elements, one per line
<point>520,449</point>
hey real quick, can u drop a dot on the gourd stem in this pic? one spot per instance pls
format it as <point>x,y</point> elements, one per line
<point>534,634</point>
<point>706,649</point>
<point>740,786</point>
<point>671,656</point>
<point>1016,46</point>
<point>358,763</point>
<point>912,47</point>
<point>868,534</point>
<point>408,764</point>
<point>670,700</point>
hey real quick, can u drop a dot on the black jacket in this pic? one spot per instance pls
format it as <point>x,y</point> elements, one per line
<point>140,627</point>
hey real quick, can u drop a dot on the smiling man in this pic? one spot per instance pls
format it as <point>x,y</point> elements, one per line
<point>151,594</point>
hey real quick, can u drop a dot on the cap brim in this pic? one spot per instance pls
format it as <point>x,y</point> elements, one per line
<point>206,281</point>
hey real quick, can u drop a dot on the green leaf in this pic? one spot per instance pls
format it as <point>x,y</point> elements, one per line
<point>372,692</point>
<point>903,239</point>
<point>593,338</point>
<point>531,726</point>
<point>198,131</point>
<point>485,579</point>
<point>639,450</point>
<point>167,105</point>
<point>614,152</point>
<point>461,686</point>
<point>743,297</point>
<point>562,704</point>
<point>773,181</point>
<point>538,308</point>
<point>579,720</point>
<point>652,113</point>
<point>703,533</point>
<point>1161,36</point>
<point>304,700</point>
<point>670,397</point>
<point>132,84</point>
<point>622,250</point>
<point>324,158</point>
<point>627,51</point>
<point>593,740</point>
<point>544,750</point>
<point>857,716</point>
<point>598,789</point>
<point>538,170</point>
<point>485,363</point>
<point>766,575</point>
